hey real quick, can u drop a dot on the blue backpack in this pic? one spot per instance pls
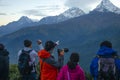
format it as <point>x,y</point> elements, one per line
<point>23,63</point>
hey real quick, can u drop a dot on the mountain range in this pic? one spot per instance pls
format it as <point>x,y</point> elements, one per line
<point>24,21</point>
<point>81,34</point>
<point>68,14</point>
<point>15,25</point>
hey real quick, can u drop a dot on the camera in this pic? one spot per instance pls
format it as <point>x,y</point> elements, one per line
<point>64,49</point>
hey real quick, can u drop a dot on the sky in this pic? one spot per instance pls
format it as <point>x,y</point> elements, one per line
<point>12,10</point>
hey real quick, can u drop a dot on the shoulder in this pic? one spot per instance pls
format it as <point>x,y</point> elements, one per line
<point>95,59</point>
<point>64,68</point>
<point>5,52</point>
<point>19,52</point>
<point>33,53</point>
<point>94,63</point>
<point>79,68</point>
<point>117,60</point>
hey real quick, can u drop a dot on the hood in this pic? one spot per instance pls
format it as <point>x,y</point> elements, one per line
<point>105,51</point>
<point>44,54</point>
<point>4,52</point>
<point>27,48</point>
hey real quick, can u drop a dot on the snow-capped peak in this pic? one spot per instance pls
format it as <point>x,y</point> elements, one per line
<point>73,12</point>
<point>107,6</point>
<point>25,19</point>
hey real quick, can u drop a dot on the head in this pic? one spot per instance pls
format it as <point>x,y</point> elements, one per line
<point>49,45</point>
<point>74,59</point>
<point>27,43</point>
<point>1,46</point>
<point>106,43</point>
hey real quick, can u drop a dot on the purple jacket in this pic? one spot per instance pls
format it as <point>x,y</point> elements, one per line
<point>67,74</point>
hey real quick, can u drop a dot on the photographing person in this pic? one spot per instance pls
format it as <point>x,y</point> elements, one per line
<point>49,67</point>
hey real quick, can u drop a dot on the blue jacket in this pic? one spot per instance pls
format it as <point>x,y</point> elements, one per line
<point>103,51</point>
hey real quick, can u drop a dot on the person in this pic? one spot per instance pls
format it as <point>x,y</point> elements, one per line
<point>4,63</point>
<point>31,74</point>
<point>48,65</point>
<point>106,64</point>
<point>72,70</point>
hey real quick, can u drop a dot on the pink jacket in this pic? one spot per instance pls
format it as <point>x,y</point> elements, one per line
<point>67,74</point>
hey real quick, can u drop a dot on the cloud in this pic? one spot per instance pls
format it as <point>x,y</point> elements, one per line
<point>34,12</point>
<point>3,14</point>
<point>82,4</point>
<point>3,4</point>
<point>43,11</point>
<point>50,7</point>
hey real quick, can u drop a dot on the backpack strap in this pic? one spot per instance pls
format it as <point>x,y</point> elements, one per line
<point>106,56</point>
<point>42,63</point>
<point>26,51</point>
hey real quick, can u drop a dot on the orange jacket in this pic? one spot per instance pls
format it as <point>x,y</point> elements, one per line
<point>49,67</point>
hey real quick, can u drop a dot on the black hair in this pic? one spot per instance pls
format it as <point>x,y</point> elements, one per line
<point>74,59</point>
<point>49,45</point>
<point>27,43</point>
<point>106,43</point>
<point>2,46</point>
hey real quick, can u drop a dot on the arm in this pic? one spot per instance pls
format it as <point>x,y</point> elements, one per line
<point>54,63</point>
<point>40,46</point>
<point>19,54</point>
<point>61,75</point>
<point>117,63</point>
<point>58,63</point>
<point>61,60</point>
<point>82,74</point>
<point>34,57</point>
<point>94,67</point>
<point>34,53</point>
<point>39,42</point>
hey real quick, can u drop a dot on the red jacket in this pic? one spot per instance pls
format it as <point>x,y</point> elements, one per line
<point>49,66</point>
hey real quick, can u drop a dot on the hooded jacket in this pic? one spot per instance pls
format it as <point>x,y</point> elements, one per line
<point>4,64</point>
<point>68,74</point>
<point>48,65</point>
<point>107,52</point>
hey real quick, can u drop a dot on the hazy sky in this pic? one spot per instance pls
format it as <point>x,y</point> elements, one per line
<point>12,10</point>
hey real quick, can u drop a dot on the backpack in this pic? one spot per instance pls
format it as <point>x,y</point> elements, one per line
<point>106,69</point>
<point>23,63</point>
